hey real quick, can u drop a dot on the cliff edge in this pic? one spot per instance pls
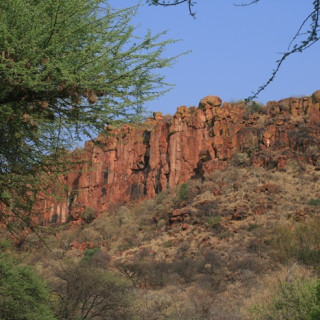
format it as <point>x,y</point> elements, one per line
<point>137,162</point>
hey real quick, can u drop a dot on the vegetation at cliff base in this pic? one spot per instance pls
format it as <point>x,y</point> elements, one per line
<point>210,254</point>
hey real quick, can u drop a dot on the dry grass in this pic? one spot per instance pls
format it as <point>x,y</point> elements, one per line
<point>239,230</point>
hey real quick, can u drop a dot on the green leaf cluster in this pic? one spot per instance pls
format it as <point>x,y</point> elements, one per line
<point>68,68</point>
<point>314,202</point>
<point>291,300</point>
<point>315,313</point>
<point>183,192</point>
<point>23,295</point>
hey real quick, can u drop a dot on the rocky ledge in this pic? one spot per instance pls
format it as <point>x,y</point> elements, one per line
<point>137,162</point>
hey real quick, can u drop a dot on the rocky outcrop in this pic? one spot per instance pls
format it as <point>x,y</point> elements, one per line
<point>136,162</point>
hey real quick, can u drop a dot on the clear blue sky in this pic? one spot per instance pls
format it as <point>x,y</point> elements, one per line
<point>234,50</point>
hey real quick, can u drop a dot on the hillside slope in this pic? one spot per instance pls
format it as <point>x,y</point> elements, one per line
<point>212,248</point>
<point>211,214</point>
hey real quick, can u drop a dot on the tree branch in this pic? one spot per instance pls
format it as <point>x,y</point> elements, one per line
<point>174,3</point>
<point>245,4</point>
<point>313,37</point>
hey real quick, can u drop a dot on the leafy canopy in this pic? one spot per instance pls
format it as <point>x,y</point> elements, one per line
<point>67,69</point>
<point>23,295</point>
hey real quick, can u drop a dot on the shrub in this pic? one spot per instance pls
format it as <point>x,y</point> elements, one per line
<point>195,305</point>
<point>152,305</point>
<point>246,263</point>
<point>146,272</point>
<point>107,225</point>
<point>182,249</point>
<point>207,208</point>
<point>301,243</point>
<point>88,215</point>
<point>255,107</point>
<point>253,226</point>
<point>123,216</point>
<point>186,268</point>
<point>96,257</point>
<point>211,257</point>
<point>162,196</point>
<point>289,300</point>
<point>23,295</point>
<point>213,221</point>
<point>129,240</point>
<point>144,213</point>
<point>89,253</point>
<point>90,293</point>
<point>240,159</point>
<point>315,313</point>
<point>168,244</point>
<point>226,234</point>
<point>183,192</point>
<point>314,202</point>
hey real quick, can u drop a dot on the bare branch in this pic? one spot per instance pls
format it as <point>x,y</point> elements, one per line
<point>312,38</point>
<point>300,28</point>
<point>311,34</point>
<point>245,4</point>
<point>190,4</point>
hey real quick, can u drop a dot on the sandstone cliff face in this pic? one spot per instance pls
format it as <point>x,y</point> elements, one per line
<point>133,163</point>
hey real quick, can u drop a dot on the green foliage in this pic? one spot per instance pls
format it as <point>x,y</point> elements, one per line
<point>291,300</point>
<point>255,107</point>
<point>213,221</point>
<point>89,253</point>
<point>168,244</point>
<point>226,234</point>
<point>314,202</point>
<point>315,313</point>
<point>183,192</point>
<point>23,295</point>
<point>88,215</point>
<point>96,258</point>
<point>253,226</point>
<point>301,243</point>
<point>67,69</point>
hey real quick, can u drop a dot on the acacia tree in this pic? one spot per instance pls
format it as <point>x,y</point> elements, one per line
<point>306,35</point>
<point>90,293</point>
<point>67,69</point>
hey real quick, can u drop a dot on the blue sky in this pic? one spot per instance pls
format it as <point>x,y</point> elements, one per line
<point>234,50</point>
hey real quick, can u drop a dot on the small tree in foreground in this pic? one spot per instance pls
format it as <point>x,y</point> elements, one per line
<point>23,295</point>
<point>83,292</point>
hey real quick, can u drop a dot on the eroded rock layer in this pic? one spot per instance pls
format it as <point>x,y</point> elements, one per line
<point>133,163</point>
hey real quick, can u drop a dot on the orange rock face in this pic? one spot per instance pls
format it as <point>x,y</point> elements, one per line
<point>132,163</point>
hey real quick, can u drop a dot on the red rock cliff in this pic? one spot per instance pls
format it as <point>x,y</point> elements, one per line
<point>139,162</point>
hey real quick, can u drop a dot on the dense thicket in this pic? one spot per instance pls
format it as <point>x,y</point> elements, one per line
<point>23,295</point>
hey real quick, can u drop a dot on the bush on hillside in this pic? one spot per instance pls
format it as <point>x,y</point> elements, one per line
<point>290,300</point>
